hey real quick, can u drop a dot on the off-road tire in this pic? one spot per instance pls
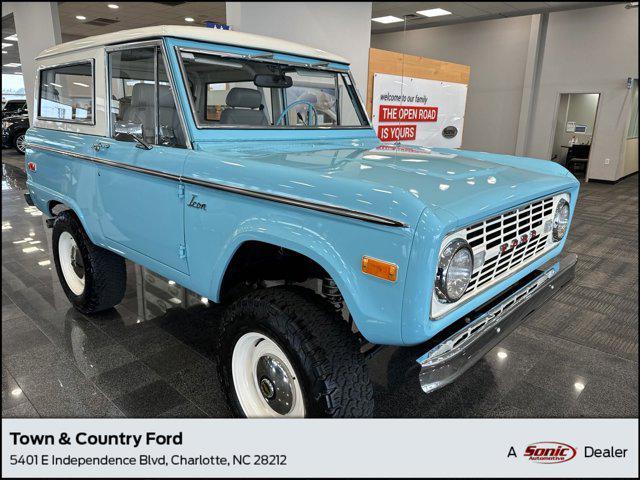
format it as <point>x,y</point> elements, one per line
<point>105,272</point>
<point>325,354</point>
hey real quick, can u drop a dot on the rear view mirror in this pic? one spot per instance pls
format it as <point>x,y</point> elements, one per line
<point>272,81</point>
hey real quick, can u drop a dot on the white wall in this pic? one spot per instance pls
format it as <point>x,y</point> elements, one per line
<point>589,50</point>
<point>496,50</point>
<point>630,162</point>
<point>343,28</point>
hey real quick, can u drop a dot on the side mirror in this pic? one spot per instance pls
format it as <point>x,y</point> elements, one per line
<point>129,131</point>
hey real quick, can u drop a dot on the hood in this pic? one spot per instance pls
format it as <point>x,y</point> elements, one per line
<point>14,118</point>
<point>397,182</point>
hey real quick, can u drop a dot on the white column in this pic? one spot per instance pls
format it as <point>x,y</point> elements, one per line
<point>38,27</point>
<point>343,28</point>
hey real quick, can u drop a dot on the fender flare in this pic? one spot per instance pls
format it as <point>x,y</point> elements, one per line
<point>309,244</point>
<point>44,197</point>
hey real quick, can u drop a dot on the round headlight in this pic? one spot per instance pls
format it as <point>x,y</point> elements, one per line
<point>454,270</point>
<point>560,220</point>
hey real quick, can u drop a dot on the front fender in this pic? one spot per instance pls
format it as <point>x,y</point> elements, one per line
<point>306,242</point>
<point>336,243</point>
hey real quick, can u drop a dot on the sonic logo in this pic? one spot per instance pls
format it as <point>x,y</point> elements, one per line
<point>550,452</point>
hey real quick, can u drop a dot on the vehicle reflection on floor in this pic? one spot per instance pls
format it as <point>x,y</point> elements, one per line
<point>153,354</point>
<point>157,294</point>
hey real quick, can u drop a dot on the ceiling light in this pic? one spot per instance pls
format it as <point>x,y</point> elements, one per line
<point>80,17</point>
<point>189,19</point>
<point>434,12</point>
<point>13,38</point>
<point>387,19</point>
<point>3,52</point>
<point>81,84</point>
<point>13,65</point>
<point>5,45</point>
<point>113,6</point>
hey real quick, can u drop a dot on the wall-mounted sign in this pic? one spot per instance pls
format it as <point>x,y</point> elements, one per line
<point>219,26</point>
<point>415,110</point>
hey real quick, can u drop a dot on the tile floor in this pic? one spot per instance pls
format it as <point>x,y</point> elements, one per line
<point>576,357</point>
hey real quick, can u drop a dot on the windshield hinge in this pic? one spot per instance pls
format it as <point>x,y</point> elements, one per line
<point>181,190</point>
<point>182,251</point>
<point>260,55</point>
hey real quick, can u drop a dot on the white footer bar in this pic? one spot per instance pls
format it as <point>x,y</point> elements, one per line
<point>320,448</point>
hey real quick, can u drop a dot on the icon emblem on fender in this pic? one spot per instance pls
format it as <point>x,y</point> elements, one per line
<point>193,203</point>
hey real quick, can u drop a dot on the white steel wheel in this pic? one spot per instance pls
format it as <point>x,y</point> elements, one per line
<point>71,263</point>
<point>264,379</point>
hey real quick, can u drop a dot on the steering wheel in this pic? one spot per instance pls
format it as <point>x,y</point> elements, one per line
<point>310,108</point>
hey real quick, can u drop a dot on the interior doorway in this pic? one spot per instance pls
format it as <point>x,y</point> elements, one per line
<point>575,123</point>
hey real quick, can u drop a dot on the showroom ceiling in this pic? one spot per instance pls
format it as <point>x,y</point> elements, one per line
<point>9,46</point>
<point>461,12</point>
<point>99,18</point>
<point>103,17</point>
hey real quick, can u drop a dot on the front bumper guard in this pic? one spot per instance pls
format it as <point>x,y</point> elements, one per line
<point>451,358</point>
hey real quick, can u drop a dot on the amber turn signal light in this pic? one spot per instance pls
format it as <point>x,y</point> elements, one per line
<point>379,268</point>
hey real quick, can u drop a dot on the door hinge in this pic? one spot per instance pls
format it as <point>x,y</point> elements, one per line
<point>181,190</point>
<point>182,251</point>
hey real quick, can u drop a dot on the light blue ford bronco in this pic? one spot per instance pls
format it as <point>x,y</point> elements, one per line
<point>245,169</point>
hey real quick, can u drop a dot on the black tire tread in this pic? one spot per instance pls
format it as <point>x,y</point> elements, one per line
<point>105,272</point>
<point>321,342</point>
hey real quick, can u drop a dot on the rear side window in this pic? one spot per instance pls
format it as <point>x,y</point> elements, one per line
<point>66,93</point>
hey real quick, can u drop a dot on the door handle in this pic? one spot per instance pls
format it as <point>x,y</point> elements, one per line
<point>100,146</point>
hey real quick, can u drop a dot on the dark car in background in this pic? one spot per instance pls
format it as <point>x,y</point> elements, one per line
<point>13,131</point>
<point>14,107</point>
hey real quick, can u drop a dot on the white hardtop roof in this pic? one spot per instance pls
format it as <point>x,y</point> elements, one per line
<point>203,34</point>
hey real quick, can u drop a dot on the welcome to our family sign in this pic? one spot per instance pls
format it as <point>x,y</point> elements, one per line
<point>418,111</point>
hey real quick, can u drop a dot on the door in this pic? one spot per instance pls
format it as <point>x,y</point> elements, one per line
<point>139,190</point>
<point>574,128</point>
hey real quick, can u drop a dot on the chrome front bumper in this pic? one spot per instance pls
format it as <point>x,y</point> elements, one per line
<point>451,358</point>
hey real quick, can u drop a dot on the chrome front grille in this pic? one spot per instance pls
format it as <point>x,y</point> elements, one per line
<point>489,235</point>
<point>525,230</point>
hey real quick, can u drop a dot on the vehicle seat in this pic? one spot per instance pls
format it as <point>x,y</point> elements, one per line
<point>244,107</point>
<point>142,110</point>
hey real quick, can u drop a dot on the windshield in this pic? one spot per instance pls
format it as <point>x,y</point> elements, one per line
<point>13,106</point>
<point>246,93</point>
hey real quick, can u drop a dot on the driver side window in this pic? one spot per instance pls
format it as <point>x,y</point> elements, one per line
<point>141,99</point>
